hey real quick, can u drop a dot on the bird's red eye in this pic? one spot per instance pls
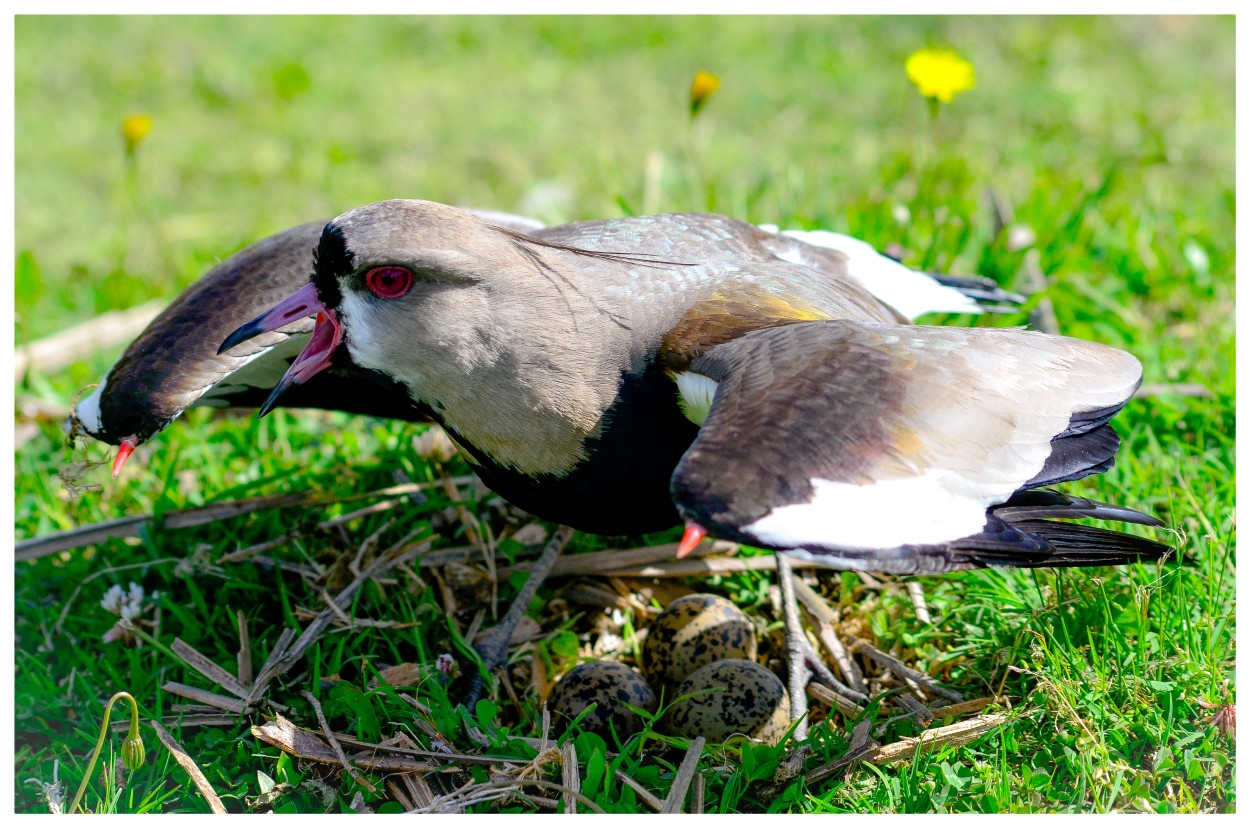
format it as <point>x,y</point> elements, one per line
<point>388,282</point>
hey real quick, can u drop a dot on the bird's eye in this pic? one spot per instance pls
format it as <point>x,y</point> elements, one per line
<point>388,282</point>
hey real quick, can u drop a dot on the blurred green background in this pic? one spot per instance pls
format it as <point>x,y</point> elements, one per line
<point>1107,142</point>
<point>262,123</point>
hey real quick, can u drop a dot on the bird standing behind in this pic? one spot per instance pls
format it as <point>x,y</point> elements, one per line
<point>626,375</point>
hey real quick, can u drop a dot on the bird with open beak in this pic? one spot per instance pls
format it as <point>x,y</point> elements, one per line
<point>628,375</point>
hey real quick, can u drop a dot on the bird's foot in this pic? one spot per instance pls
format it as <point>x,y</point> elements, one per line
<point>804,663</point>
<point>492,645</point>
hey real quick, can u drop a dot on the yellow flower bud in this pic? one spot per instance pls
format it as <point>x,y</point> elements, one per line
<point>134,129</point>
<point>704,86</point>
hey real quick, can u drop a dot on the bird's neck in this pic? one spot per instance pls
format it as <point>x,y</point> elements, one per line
<point>525,417</point>
<point>527,390</point>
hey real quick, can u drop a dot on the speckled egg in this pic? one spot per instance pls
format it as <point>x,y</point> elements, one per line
<point>693,631</point>
<point>610,685</point>
<point>745,698</point>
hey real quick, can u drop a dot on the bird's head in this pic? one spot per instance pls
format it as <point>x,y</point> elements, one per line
<point>406,288</point>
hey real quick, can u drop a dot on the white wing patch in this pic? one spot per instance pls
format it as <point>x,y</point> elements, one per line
<point>695,394</point>
<point>87,411</point>
<point>884,515</point>
<point>909,292</point>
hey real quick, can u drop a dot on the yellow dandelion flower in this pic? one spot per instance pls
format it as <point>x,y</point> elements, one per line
<point>134,129</point>
<point>704,86</point>
<point>940,73</point>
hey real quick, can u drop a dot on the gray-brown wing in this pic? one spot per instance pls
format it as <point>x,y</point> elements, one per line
<point>174,363</point>
<point>847,435</point>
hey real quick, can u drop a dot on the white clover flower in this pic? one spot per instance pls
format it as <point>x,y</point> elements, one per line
<point>112,600</point>
<point>127,604</point>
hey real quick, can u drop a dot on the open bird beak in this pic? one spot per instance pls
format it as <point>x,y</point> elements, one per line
<point>315,357</point>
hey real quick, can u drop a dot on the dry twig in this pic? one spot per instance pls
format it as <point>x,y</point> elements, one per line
<point>960,733</point>
<point>415,791</point>
<point>243,661</point>
<point>303,744</point>
<point>208,668</point>
<point>963,708</point>
<point>132,526</point>
<point>916,592</point>
<point>201,720</point>
<point>827,695</point>
<point>901,670</point>
<point>205,697</point>
<point>188,764</point>
<point>568,772</point>
<point>399,553</point>
<point>270,668</point>
<point>675,802</point>
<point>334,743</point>
<point>649,799</point>
<point>826,619</point>
<point>502,789</point>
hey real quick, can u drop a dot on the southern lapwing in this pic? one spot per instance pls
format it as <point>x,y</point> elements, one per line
<point>628,375</point>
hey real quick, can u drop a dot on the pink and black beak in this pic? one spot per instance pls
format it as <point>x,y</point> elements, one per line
<point>316,355</point>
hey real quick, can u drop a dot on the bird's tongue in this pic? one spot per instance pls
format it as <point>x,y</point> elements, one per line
<point>314,359</point>
<point>316,354</point>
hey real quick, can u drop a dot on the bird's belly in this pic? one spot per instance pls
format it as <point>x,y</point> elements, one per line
<point>622,487</point>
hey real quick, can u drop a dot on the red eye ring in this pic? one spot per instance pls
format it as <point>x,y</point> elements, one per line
<point>389,281</point>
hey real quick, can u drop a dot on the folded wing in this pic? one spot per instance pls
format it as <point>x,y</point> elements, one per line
<point>877,446</point>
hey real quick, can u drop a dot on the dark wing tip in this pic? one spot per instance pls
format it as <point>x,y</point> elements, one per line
<point>982,290</point>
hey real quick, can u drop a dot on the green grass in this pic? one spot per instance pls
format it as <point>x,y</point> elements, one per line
<point>1110,138</point>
